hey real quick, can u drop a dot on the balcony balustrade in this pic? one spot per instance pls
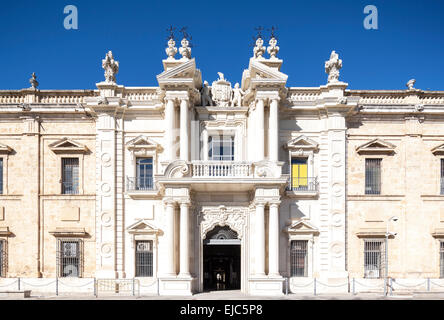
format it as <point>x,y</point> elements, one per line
<point>208,169</point>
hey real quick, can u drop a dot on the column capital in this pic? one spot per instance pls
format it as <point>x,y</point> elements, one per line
<point>185,203</point>
<point>274,203</point>
<point>169,202</point>
<point>260,203</point>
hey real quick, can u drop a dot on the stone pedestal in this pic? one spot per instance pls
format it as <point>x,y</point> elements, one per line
<point>266,286</point>
<point>176,286</point>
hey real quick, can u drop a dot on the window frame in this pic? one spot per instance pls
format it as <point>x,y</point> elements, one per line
<point>139,266</point>
<point>136,175</point>
<point>62,178</point>
<point>366,179</point>
<point>381,257</point>
<point>293,266</point>
<point>59,259</point>
<point>441,180</point>
<point>441,259</point>
<point>221,138</point>
<point>3,258</point>
<point>2,161</point>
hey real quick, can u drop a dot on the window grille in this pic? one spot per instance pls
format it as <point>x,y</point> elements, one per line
<point>441,259</point>
<point>69,258</point>
<point>372,258</point>
<point>144,258</point>
<point>298,258</point>
<point>373,176</point>
<point>70,175</point>
<point>144,174</point>
<point>442,176</point>
<point>3,258</point>
<point>221,148</point>
<point>1,175</point>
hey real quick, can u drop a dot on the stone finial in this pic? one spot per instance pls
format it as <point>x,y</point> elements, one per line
<point>111,67</point>
<point>332,67</point>
<point>273,49</point>
<point>33,81</point>
<point>259,49</point>
<point>171,50</point>
<point>185,50</point>
<point>410,84</point>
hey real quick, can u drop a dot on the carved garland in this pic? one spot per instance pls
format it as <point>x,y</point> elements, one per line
<point>235,218</point>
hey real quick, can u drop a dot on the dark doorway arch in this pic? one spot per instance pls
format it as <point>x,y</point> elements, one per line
<point>222,259</point>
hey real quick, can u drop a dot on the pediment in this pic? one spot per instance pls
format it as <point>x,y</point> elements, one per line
<point>259,71</point>
<point>68,146</point>
<point>376,146</point>
<point>302,142</point>
<point>438,150</point>
<point>142,227</point>
<point>302,226</point>
<point>5,149</point>
<point>142,142</point>
<point>182,71</point>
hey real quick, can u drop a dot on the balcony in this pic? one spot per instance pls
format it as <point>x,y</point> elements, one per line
<point>221,176</point>
<point>303,187</point>
<point>223,169</point>
<point>141,187</point>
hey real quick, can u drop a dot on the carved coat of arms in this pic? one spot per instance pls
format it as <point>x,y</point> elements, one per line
<point>221,91</point>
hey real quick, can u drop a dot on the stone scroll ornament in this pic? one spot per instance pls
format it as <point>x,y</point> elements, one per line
<point>111,68</point>
<point>332,67</point>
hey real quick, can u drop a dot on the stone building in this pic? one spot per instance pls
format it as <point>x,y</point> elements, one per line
<point>200,187</point>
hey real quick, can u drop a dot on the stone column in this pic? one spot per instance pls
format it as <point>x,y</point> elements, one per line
<point>169,235</point>
<point>184,240</point>
<point>260,137</point>
<point>260,239</point>
<point>184,136</point>
<point>169,130</point>
<point>273,240</point>
<point>205,145</point>
<point>273,130</point>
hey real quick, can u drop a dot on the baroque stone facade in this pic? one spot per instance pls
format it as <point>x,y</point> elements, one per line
<point>157,169</point>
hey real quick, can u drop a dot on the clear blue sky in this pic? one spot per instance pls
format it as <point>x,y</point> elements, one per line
<point>408,44</point>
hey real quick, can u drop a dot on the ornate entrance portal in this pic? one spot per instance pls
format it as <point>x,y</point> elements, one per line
<point>221,260</point>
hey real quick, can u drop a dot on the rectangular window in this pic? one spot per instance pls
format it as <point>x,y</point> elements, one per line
<point>372,258</point>
<point>441,259</point>
<point>221,148</point>
<point>144,258</point>
<point>3,258</point>
<point>144,174</point>
<point>442,176</point>
<point>299,174</point>
<point>1,175</point>
<point>69,258</point>
<point>373,176</point>
<point>298,258</point>
<point>70,175</point>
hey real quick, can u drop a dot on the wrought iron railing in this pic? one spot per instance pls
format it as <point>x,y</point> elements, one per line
<point>309,184</point>
<point>140,183</point>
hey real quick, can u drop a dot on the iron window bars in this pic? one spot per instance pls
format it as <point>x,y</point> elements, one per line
<point>373,250</point>
<point>1,175</point>
<point>373,176</point>
<point>298,258</point>
<point>69,258</point>
<point>3,258</point>
<point>70,175</point>
<point>144,258</point>
<point>442,176</point>
<point>441,259</point>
